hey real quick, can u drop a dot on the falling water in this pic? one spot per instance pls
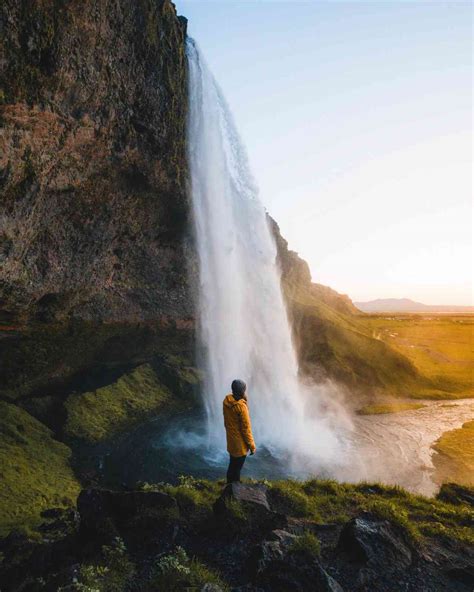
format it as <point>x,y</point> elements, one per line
<point>243,326</point>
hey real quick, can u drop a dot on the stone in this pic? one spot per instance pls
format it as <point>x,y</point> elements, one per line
<point>254,509</point>
<point>378,544</point>
<point>104,512</point>
<point>297,572</point>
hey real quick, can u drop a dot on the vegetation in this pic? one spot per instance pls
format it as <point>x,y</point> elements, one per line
<point>439,346</point>
<point>97,415</point>
<point>388,408</point>
<point>307,543</point>
<point>325,500</point>
<point>111,573</point>
<point>403,355</point>
<point>176,572</point>
<point>329,501</point>
<point>34,469</point>
<point>455,458</point>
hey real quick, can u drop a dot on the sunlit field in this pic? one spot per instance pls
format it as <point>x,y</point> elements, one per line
<point>440,346</point>
<point>455,458</point>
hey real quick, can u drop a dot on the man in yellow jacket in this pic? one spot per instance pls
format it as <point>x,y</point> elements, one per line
<point>238,429</point>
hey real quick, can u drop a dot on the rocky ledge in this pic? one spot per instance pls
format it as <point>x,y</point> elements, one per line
<point>205,536</point>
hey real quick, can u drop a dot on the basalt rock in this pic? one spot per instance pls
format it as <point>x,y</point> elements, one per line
<point>97,258</point>
<point>375,543</point>
<point>246,507</point>
<point>106,514</point>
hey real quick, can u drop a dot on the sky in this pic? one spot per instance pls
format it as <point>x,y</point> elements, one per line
<point>357,119</point>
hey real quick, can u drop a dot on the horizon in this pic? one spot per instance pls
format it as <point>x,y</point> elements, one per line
<point>331,126</point>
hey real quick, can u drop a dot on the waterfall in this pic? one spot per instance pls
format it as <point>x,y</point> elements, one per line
<point>243,327</point>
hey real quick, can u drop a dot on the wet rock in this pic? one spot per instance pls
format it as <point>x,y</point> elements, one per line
<point>375,543</point>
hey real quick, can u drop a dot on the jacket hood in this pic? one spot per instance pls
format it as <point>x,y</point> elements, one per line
<point>229,401</point>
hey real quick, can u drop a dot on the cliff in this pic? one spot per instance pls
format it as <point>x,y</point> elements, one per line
<point>94,236</point>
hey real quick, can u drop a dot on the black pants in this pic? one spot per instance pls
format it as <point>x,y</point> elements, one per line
<point>235,466</point>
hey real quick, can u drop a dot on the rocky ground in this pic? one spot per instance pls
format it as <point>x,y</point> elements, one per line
<point>251,537</point>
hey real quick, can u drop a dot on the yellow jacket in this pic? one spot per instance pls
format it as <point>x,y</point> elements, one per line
<point>237,426</point>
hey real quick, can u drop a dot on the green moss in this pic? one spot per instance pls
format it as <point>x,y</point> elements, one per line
<point>34,469</point>
<point>97,415</point>
<point>307,543</point>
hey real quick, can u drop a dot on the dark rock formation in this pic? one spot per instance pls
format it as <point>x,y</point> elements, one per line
<point>248,505</point>
<point>143,529</point>
<point>370,541</point>
<point>94,229</point>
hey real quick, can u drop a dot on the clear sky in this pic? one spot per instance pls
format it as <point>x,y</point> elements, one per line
<point>357,118</point>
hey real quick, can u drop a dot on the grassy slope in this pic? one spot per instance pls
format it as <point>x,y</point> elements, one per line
<point>99,414</point>
<point>34,469</point>
<point>455,458</point>
<point>344,347</point>
<point>431,358</point>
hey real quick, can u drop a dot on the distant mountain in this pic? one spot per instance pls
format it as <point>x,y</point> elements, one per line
<point>407,305</point>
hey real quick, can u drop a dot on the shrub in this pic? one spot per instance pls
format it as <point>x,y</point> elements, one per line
<point>111,574</point>
<point>175,572</point>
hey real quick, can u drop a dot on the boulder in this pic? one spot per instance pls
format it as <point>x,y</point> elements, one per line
<point>296,572</point>
<point>273,565</point>
<point>246,506</point>
<point>103,513</point>
<point>375,543</point>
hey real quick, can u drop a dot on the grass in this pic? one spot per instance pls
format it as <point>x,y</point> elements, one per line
<point>388,408</point>
<point>97,415</point>
<point>405,356</point>
<point>439,346</point>
<point>455,458</point>
<point>307,543</point>
<point>34,470</point>
<point>340,346</point>
<point>328,501</point>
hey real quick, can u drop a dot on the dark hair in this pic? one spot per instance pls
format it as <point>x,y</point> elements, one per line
<point>238,388</point>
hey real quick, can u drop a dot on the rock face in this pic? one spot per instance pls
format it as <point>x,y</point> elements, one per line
<point>373,542</point>
<point>94,211</point>
<point>248,505</point>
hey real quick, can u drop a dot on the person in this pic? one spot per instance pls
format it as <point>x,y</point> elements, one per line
<point>238,429</point>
